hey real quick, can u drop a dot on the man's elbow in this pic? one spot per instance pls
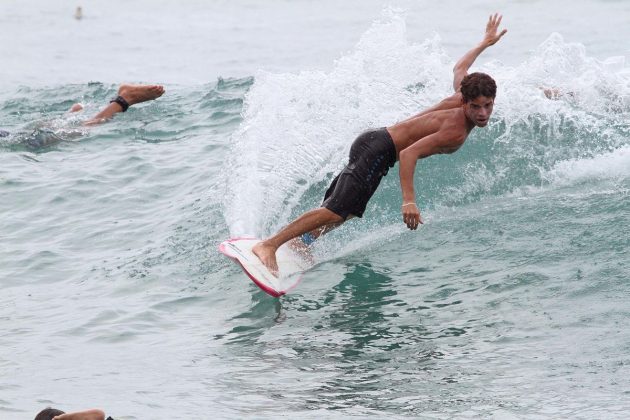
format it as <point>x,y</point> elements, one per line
<point>410,155</point>
<point>402,156</point>
<point>459,70</point>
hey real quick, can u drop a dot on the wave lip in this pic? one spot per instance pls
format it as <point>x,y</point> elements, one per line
<point>611,165</point>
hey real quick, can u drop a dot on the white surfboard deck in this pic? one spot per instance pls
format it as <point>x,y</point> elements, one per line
<point>290,265</point>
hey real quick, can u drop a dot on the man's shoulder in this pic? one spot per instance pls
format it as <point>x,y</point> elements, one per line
<point>452,116</point>
<point>447,105</point>
<point>456,98</point>
<point>455,123</point>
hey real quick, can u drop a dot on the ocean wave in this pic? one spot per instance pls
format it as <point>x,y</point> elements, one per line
<point>611,165</point>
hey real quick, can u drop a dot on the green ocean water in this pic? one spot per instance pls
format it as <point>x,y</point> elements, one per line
<point>510,302</point>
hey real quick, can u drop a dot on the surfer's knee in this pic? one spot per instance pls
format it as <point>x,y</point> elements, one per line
<point>330,216</point>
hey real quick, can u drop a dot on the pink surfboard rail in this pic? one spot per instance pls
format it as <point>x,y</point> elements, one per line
<point>223,248</point>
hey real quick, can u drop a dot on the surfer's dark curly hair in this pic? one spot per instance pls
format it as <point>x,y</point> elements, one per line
<point>478,84</point>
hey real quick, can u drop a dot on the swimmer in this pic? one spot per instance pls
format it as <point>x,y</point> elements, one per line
<point>54,414</point>
<point>128,95</point>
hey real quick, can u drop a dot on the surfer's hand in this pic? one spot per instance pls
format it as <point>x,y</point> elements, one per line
<point>411,215</point>
<point>492,27</point>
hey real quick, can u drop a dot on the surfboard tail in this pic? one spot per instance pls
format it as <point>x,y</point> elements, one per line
<point>291,266</point>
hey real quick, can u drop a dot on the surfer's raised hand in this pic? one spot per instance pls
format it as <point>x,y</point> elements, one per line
<point>411,215</point>
<point>492,27</point>
<point>491,37</point>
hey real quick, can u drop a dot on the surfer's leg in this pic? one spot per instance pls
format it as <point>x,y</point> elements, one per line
<point>309,221</point>
<point>307,238</point>
<point>302,244</point>
<point>127,95</point>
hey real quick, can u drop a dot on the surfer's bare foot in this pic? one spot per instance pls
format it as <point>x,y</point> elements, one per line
<point>267,255</point>
<point>135,94</point>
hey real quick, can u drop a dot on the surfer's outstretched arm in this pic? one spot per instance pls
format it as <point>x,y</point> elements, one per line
<point>442,141</point>
<point>490,38</point>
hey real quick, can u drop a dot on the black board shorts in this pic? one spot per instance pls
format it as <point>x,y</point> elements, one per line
<point>371,156</point>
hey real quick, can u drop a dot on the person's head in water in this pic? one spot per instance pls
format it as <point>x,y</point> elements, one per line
<point>48,414</point>
<point>92,414</point>
<point>478,91</point>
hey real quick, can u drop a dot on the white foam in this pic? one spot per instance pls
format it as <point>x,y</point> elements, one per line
<point>611,165</point>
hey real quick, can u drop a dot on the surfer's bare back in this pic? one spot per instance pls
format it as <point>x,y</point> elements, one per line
<point>442,128</point>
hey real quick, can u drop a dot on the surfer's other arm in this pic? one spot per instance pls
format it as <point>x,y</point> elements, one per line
<point>490,38</point>
<point>442,141</point>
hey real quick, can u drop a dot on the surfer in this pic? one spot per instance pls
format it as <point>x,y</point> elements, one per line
<point>442,128</point>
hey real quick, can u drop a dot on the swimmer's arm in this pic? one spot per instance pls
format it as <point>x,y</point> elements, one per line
<point>490,38</point>
<point>82,415</point>
<point>436,143</point>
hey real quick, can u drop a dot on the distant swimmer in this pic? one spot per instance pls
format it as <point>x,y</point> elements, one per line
<point>442,128</point>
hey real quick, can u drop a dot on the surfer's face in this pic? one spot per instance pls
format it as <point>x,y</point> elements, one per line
<point>478,110</point>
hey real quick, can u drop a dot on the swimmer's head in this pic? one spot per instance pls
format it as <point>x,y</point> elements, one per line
<point>48,414</point>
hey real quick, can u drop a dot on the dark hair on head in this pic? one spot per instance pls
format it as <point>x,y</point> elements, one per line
<point>48,414</point>
<point>478,84</point>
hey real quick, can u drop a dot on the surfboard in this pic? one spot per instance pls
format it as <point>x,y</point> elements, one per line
<point>290,265</point>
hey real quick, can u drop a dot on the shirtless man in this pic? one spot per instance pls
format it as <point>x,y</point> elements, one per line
<point>442,128</point>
